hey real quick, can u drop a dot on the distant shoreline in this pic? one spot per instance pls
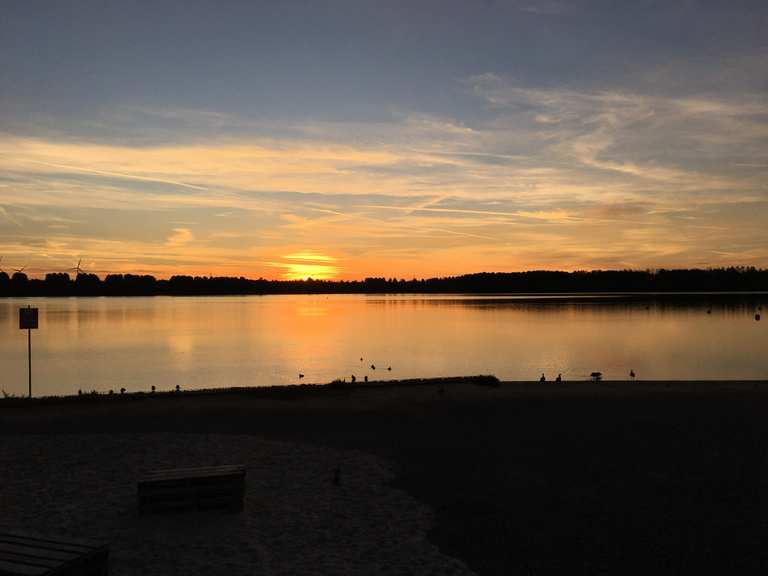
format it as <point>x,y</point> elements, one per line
<point>734,279</point>
<point>310,390</point>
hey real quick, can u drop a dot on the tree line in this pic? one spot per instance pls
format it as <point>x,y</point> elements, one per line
<point>738,279</point>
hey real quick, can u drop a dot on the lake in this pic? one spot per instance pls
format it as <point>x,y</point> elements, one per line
<point>210,342</point>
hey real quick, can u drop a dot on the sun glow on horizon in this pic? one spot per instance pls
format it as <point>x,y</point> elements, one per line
<point>308,264</point>
<point>470,155</point>
<point>306,271</point>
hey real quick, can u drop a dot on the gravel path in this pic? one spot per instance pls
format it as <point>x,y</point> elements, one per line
<point>295,520</point>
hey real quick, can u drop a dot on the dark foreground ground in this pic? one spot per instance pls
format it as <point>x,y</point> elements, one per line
<point>617,477</point>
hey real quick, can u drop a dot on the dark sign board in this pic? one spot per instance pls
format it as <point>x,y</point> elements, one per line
<point>28,318</point>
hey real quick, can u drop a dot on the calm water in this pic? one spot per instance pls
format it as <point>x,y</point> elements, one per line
<point>103,343</point>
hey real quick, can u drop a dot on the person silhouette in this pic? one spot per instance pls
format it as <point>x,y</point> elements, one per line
<point>543,378</point>
<point>559,378</point>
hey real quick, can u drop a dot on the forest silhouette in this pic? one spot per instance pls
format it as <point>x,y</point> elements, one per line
<point>736,279</point>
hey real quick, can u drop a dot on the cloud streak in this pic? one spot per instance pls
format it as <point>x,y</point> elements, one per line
<point>533,177</point>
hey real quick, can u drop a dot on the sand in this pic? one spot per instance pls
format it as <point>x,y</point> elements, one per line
<point>610,478</point>
<point>295,520</point>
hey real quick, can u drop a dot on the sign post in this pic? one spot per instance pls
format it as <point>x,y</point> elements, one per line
<point>28,322</point>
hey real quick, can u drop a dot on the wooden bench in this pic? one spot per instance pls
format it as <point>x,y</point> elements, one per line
<point>27,554</point>
<point>208,488</point>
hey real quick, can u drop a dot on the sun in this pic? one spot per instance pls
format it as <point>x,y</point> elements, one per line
<point>314,271</point>
<point>309,264</point>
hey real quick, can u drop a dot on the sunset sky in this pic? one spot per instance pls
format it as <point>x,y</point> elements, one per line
<point>357,138</point>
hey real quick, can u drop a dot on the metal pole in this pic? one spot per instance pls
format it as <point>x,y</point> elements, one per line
<point>29,355</point>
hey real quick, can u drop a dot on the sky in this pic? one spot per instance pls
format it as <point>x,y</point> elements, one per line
<point>347,139</point>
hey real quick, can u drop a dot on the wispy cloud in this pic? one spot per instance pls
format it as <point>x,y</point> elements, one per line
<point>310,257</point>
<point>542,177</point>
<point>180,237</point>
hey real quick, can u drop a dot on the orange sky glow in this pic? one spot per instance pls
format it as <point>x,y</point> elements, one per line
<point>503,137</point>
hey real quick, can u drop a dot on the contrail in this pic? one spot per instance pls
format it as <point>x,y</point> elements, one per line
<point>410,209</point>
<point>386,223</point>
<point>119,175</point>
<point>8,216</point>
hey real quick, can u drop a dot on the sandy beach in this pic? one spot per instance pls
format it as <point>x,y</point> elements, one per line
<point>615,477</point>
<point>295,519</point>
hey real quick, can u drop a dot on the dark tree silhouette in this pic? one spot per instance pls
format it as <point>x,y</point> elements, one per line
<point>19,285</point>
<point>58,284</point>
<point>736,279</point>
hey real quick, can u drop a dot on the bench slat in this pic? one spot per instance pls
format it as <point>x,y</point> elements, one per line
<point>14,569</point>
<point>37,552</point>
<point>28,554</point>
<point>181,473</point>
<point>36,539</point>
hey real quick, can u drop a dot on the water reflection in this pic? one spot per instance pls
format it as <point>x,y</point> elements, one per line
<point>103,343</point>
<point>661,302</point>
